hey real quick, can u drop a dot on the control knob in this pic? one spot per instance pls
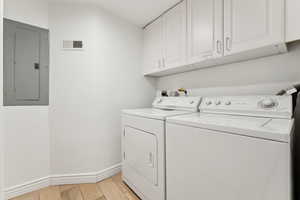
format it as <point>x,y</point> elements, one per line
<point>208,103</point>
<point>227,103</point>
<point>268,103</point>
<point>218,102</point>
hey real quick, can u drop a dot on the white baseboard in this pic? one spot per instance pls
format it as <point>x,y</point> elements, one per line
<point>26,187</point>
<point>85,177</point>
<point>62,179</point>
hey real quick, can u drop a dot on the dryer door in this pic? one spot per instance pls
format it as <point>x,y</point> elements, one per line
<point>140,150</point>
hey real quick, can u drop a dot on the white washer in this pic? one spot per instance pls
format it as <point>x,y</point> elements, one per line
<point>236,148</point>
<point>143,144</point>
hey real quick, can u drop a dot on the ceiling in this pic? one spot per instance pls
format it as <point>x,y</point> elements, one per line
<point>139,12</point>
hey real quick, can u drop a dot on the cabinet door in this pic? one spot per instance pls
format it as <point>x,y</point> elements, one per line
<point>205,29</point>
<point>174,31</point>
<point>252,24</point>
<point>153,47</point>
<point>292,20</point>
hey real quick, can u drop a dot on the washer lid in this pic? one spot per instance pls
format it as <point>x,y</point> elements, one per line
<point>259,127</point>
<point>154,113</point>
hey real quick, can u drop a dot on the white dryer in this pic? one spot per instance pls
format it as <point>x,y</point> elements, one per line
<point>143,144</point>
<point>236,148</point>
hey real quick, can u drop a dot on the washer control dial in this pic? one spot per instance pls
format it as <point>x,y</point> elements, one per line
<point>268,103</point>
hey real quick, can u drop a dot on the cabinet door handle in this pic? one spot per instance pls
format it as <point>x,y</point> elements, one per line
<point>163,62</point>
<point>219,47</point>
<point>151,159</point>
<point>228,43</point>
<point>159,64</point>
<point>37,66</point>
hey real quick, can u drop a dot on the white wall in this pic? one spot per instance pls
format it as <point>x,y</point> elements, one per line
<point>27,150</point>
<point>34,12</point>
<point>279,68</point>
<point>27,153</point>
<point>90,87</point>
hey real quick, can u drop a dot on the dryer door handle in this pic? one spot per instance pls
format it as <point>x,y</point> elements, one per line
<point>151,159</point>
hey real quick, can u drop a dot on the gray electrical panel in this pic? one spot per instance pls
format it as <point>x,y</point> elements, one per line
<point>26,64</point>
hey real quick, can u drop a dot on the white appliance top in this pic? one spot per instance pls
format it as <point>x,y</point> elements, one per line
<point>154,113</point>
<point>258,127</point>
<point>260,106</point>
<point>164,107</point>
<point>268,117</point>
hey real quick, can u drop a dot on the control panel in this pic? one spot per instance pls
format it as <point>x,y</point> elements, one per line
<point>264,106</point>
<point>177,103</point>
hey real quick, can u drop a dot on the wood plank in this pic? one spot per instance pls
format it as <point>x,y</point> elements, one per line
<point>91,192</point>
<point>73,193</point>
<point>102,198</point>
<point>63,188</point>
<point>29,196</point>
<point>111,191</point>
<point>50,193</point>
<point>124,188</point>
<point>131,196</point>
<point>117,179</point>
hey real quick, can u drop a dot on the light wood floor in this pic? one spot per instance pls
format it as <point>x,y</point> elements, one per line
<point>110,189</point>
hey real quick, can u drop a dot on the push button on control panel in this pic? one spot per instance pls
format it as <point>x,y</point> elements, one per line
<point>208,103</point>
<point>268,103</point>
<point>227,103</point>
<point>218,102</point>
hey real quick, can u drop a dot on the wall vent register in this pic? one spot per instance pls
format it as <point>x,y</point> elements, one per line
<point>73,45</point>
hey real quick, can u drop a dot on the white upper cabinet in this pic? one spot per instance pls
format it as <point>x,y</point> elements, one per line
<point>165,41</point>
<point>205,29</point>
<point>174,36</point>
<point>202,33</point>
<point>252,24</point>
<point>153,47</point>
<point>292,20</point>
